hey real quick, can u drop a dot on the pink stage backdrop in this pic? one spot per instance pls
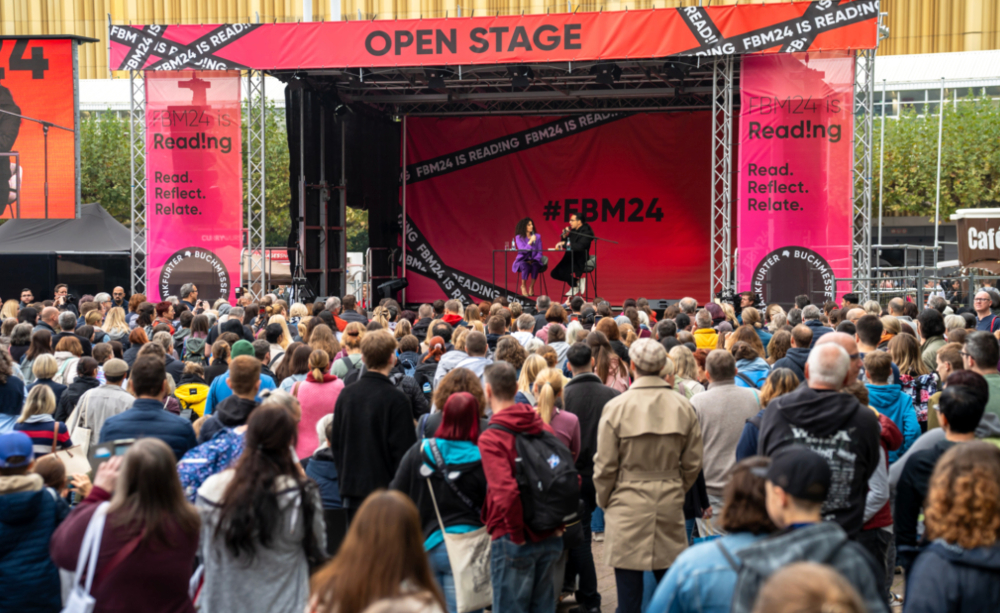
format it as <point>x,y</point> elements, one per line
<point>194,183</point>
<point>794,220</point>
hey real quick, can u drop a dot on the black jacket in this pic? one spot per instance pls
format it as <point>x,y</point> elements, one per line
<point>175,368</point>
<point>539,322</point>
<point>419,403</point>
<point>231,412</point>
<point>372,430</point>
<point>214,370</point>
<point>949,578</point>
<point>350,316</point>
<point>836,426</point>
<point>585,396</point>
<point>88,348</point>
<point>412,481</point>
<point>911,491</point>
<point>230,325</point>
<point>420,328</point>
<point>794,360</point>
<point>10,126</point>
<point>69,398</point>
<point>621,350</point>
<point>131,354</point>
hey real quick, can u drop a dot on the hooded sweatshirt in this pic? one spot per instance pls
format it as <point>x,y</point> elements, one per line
<point>824,543</point>
<point>756,370</point>
<point>447,362</point>
<point>795,360</point>
<point>454,320</point>
<point>949,578</point>
<point>29,515</point>
<point>502,511</point>
<point>231,412</point>
<point>836,426</point>
<point>897,405</point>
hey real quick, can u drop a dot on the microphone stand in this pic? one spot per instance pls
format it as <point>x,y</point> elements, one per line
<point>45,132</point>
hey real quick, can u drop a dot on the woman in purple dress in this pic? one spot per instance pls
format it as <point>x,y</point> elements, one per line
<point>529,257</point>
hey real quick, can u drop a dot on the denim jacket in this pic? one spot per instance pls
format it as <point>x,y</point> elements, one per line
<point>701,580</point>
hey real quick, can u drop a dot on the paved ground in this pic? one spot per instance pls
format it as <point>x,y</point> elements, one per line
<point>609,596</point>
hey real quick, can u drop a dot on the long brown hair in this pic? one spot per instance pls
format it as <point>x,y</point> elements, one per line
<point>905,352</point>
<point>748,335</point>
<point>148,495</point>
<point>745,508</point>
<point>250,513</point>
<point>778,383</point>
<point>41,342</point>
<point>608,328</point>
<point>963,502</point>
<point>322,337</point>
<point>460,380</point>
<point>778,348</point>
<point>604,356</point>
<point>285,367</point>
<point>388,523</point>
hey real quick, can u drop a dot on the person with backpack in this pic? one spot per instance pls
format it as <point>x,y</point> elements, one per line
<point>372,424</point>
<point>525,522</point>
<point>262,524</point>
<point>244,380</point>
<point>723,410</point>
<point>194,346</point>
<point>317,395</point>
<point>147,549</point>
<point>351,342</point>
<point>701,580</point>
<point>798,481</point>
<point>751,369</point>
<point>192,391</point>
<point>451,464</point>
<point>427,366</point>
<point>649,453</point>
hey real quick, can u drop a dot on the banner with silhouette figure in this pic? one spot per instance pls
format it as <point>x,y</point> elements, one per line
<point>194,183</point>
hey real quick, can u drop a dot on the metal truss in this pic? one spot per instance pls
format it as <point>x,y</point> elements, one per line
<point>722,167</point>
<point>137,153</point>
<point>864,94</point>
<point>558,88</point>
<point>255,142</point>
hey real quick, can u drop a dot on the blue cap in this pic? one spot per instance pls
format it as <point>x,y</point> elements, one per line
<point>15,445</point>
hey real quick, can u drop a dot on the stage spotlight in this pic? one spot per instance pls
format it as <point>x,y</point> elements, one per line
<point>341,110</point>
<point>606,74</point>
<point>678,70</point>
<point>435,78</point>
<point>389,288</point>
<point>521,76</point>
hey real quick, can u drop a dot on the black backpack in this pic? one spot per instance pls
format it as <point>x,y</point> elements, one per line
<point>547,479</point>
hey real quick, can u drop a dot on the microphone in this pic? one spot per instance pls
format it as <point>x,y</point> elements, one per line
<point>565,233</point>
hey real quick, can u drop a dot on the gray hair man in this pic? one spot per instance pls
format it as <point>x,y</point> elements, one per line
<point>811,317</point>
<point>833,424</point>
<point>103,300</point>
<point>688,306</point>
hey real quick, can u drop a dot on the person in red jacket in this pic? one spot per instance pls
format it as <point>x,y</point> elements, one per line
<point>150,536</point>
<point>522,562</point>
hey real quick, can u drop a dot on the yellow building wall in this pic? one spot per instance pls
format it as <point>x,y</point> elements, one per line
<point>915,26</point>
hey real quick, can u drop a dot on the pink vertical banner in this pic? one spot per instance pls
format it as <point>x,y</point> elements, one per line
<point>795,210</point>
<point>194,183</point>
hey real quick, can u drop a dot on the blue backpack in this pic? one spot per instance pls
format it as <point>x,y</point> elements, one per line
<point>211,457</point>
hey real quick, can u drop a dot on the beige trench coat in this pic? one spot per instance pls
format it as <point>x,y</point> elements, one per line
<point>649,454</point>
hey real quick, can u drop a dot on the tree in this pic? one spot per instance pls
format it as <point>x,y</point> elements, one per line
<point>970,159</point>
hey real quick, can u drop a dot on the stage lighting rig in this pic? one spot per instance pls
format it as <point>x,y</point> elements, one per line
<point>521,76</point>
<point>389,288</point>
<point>435,78</point>
<point>678,70</point>
<point>606,74</point>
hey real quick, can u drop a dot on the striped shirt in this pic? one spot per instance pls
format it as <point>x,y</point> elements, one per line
<point>41,428</point>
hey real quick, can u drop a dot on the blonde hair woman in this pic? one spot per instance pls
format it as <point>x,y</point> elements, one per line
<point>9,310</point>
<point>548,390</point>
<point>353,334</point>
<point>685,371</point>
<point>115,327</point>
<point>627,333</point>
<point>322,337</point>
<point>533,365</point>
<point>286,336</point>
<point>403,327</point>
<point>37,422</point>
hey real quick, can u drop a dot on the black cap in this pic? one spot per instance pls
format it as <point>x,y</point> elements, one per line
<point>801,472</point>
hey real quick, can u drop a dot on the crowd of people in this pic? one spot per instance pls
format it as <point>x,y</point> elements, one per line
<point>279,457</point>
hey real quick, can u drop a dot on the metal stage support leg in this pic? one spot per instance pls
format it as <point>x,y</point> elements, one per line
<point>722,166</point>
<point>864,95</point>
<point>255,142</point>
<point>137,153</point>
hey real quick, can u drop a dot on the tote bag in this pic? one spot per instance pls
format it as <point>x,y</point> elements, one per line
<point>469,555</point>
<point>74,459</point>
<point>80,600</point>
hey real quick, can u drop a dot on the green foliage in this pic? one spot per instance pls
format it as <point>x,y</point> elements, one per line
<point>970,160</point>
<point>277,194</point>
<point>105,171</point>
<point>357,230</point>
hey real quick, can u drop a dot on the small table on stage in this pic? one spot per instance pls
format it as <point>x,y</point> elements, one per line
<point>506,268</point>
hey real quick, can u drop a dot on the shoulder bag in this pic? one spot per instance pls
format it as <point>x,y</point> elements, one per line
<point>80,600</point>
<point>74,459</point>
<point>469,555</point>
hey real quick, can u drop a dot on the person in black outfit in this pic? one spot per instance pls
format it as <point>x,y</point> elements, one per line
<point>576,240</point>
<point>959,411</point>
<point>9,128</point>
<point>585,396</point>
<point>372,425</point>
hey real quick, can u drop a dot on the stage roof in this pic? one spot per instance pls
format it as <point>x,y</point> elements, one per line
<point>827,25</point>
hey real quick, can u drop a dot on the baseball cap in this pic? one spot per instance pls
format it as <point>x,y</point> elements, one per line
<point>15,445</point>
<point>115,368</point>
<point>242,348</point>
<point>648,355</point>
<point>801,472</point>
